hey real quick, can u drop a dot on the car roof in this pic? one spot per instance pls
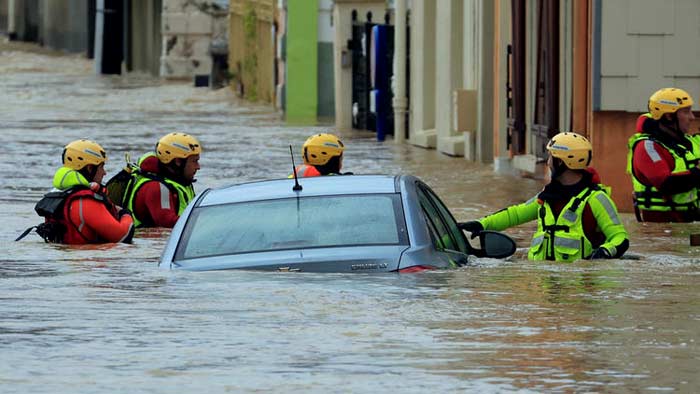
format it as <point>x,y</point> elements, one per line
<point>313,186</point>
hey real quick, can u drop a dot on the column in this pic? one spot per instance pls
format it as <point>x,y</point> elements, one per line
<point>400,102</point>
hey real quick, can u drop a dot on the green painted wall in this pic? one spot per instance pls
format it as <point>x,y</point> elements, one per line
<point>302,61</point>
<point>326,81</point>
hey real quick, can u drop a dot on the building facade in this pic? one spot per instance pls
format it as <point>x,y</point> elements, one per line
<point>493,80</point>
<point>167,38</point>
<point>189,28</point>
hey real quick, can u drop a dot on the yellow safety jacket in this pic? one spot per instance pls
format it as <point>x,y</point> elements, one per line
<point>563,238</point>
<point>185,194</point>
<point>65,178</point>
<point>649,198</point>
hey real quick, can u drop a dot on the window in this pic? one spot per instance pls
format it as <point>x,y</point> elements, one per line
<point>450,236</point>
<point>310,222</point>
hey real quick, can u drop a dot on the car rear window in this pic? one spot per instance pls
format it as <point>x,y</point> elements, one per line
<point>294,223</point>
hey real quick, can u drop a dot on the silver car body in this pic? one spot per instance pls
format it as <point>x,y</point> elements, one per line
<point>420,250</point>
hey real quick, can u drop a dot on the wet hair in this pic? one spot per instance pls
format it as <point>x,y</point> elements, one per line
<point>89,172</point>
<point>332,167</point>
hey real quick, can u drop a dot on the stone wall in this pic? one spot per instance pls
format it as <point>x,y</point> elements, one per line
<point>189,26</point>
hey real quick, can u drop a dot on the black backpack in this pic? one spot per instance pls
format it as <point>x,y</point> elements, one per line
<point>51,207</point>
<point>118,186</point>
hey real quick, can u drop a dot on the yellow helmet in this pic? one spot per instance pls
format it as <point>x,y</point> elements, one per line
<point>177,146</point>
<point>668,101</point>
<point>81,153</point>
<point>571,148</point>
<point>320,148</point>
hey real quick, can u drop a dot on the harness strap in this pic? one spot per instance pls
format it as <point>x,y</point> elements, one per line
<point>24,234</point>
<point>570,215</point>
<point>149,175</point>
<point>637,213</point>
<point>645,199</point>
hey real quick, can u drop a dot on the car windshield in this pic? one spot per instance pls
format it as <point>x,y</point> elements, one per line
<point>293,223</point>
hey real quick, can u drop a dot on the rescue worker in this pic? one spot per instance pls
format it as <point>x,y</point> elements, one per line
<point>322,155</point>
<point>162,187</point>
<point>576,219</point>
<point>78,210</point>
<point>663,160</point>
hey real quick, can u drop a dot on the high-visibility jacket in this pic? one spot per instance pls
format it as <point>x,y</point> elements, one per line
<point>185,194</point>
<point>648,197</point>
<point>306,171</point>
<point>562,238</point>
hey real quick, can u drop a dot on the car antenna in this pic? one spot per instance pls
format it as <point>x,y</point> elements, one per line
<point>297,186</point>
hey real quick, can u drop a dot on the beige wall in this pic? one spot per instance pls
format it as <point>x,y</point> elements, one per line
<point>422,79</point>
<point>446,65</point>
<point>647,45</point>
<point>448,72</point>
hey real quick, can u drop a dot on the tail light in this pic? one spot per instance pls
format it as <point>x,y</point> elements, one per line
<point>416,268</point>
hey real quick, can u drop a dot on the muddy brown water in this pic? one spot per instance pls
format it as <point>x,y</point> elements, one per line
<point>105,318</point>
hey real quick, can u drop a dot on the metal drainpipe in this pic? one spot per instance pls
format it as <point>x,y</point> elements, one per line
<point>400,102</point>
<point>11,22</point>
<point>99,30</point>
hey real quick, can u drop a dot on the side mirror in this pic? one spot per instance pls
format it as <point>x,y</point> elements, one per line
<point>495,245</point>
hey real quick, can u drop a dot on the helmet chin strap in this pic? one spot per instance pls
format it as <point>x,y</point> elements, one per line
<point>672,127</point>
<point>558,168</point>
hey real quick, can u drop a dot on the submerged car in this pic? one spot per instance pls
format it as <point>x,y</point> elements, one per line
<point>357,223</point>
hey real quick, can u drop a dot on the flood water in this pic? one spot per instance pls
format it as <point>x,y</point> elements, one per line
<point>104,319</point>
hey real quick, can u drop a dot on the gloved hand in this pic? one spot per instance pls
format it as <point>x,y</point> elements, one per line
<point>98,188</point>
<point>130,237</point>
<point>695,173</point>
<point>601,253</point>
<point>474,227</point>
<point>122,212</point>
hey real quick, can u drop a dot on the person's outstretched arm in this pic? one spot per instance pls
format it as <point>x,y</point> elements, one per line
<point>511,216</point>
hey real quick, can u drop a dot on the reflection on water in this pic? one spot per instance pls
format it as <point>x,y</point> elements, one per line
<point>92,318</point>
